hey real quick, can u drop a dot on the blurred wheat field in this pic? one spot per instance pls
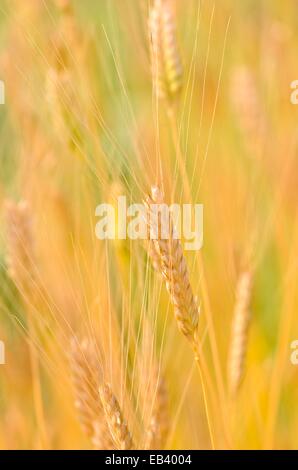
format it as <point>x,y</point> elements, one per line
<point>108,98</point>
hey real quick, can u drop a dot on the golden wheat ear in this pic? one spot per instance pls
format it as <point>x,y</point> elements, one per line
<point>239,332</point>
<point>175,273</point>
<point>248,108</point>
<point>87,376</point>
<point>157,431</point>
<point>117,425</point>
<point>21,253</point>
<point>165,59</point>
<point>173,267</point>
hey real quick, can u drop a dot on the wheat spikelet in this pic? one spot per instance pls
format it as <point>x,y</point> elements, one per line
<point>174,268</point>
<point>239,335</point>
<point>159,422</point>
<point>86,375</point>
<point>165,60</point>
<point>117,425</point>
<point>21,256</point>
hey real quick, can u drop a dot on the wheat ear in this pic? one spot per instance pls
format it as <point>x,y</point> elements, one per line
<point>21,253</point>
<point>173,266</point>
<point>239,334</point>
<point>248,107</point>
<point>86,375</point>
<point>175,272</point>
<point>165,60</point>
<point>22,270</point>
<point>117,425</point>
<point>159,423</point>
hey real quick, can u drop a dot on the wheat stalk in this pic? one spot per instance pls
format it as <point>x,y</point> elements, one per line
<point>165,60</point>
<point>87,375</point>
<point>239,333</point>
